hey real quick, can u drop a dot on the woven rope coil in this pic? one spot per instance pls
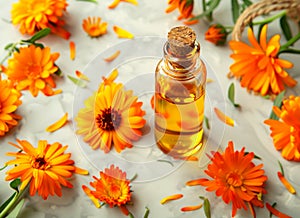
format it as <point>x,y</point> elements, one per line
<point>262,8</point>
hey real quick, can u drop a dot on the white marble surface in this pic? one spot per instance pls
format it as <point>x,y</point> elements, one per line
<point>146,19</point>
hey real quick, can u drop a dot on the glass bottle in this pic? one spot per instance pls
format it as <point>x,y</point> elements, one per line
<point>180,80</point>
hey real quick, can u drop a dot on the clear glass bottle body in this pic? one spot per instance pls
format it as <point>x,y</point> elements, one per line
<point>179,102</point>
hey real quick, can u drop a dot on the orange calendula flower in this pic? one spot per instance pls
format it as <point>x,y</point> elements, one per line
<point>121,33</point>
<point>258,65</point>
<point>112,188</point>
<point>94,27</point>
<point>235,178</point>
<point>216,34</point>
<point>34,15</point>
<point>32,68</point>
<point>112,116</point>
<point>286,131</point>
<point>115,3</point>
<point>9,103</point>
<point>46,168</point>
<point>58,124</point>
<point>185,8</point>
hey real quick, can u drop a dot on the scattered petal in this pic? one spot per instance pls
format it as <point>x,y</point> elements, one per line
<point>121,33</point>
<point>113,56</point>
<point>286,183</point>
<point>80,75</point>
<point>115,3</point>
<point>227,120</point>
<point>191,208</point>
<point>171,198</point>
<point>276,212</point>
<point>209,80</point>
<point>58,124</point>
<point>194,182</point>
<point>72,50</point>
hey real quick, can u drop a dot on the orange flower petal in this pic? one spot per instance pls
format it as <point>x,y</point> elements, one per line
<point>113,56</point>
<point>121,33</point>
<point>191,208</point>
<point>170,198</point>
<point>72,50</point>
<point>229,121</point>
<point>286,183</point>
<point>81,75</point>
<point>114,4</point>
<point>58,124</point>
<point>276,212</point>
<point>194,182</point>
<point>81,171</point>
<point>89,194</point>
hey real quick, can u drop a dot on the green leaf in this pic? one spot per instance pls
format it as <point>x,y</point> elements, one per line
<point>206,205</point>
<point>212,6</point>
<point>166,161</point>
<point>8,46</point>
<point>15,184</point>
<point>134,177</point>
<point>14,213</point>
<point>3,167</point>
<point>206,122</point>
<point>231,94</point>
<point>273,205</point>
<point>235,10</point>
<point>147,212</point>
<point>93,1</point>
<point>77,82</point>
<point>130,215</point>
<point>247,2</point>
<point>281,168</point>
<point>42,33</point>
<point>7,202</point>
<point>286,29</point>
<point>277,103</point>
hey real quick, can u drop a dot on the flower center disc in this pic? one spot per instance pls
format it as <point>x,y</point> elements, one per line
<point>109,119</point>
<point>39,163</point>
<point>234,179</point>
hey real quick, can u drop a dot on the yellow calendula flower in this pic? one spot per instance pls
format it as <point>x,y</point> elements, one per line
<point>112,116</point>
<point>32,68</point>
<point>286,131</point>
<point>9,102</point>
<point>45,168</point>
<point>258,65</point>
<point>34,15</point>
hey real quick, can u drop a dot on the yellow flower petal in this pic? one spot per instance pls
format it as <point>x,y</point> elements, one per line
<point>58,124</point>
<point>72,50</point>
<point>81,75</point>
<point>227,120</point>
<point>113,56</point>
<point>121,33</point>
<point>171,198</point>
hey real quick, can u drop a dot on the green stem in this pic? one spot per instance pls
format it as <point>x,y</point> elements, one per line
<point>12,203</point>
<point>204,5</point>
<point>270,19</point>
<point>290,42</point>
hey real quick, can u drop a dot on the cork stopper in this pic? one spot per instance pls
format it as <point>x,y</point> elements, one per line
<point>181,40</point>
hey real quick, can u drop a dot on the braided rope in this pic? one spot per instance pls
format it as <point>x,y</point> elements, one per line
<point>261,8</point>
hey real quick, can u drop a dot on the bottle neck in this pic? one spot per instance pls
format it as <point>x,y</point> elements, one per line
<point>181,64</point>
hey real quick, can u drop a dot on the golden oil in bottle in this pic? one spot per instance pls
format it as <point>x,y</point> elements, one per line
<point>180,80</point>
